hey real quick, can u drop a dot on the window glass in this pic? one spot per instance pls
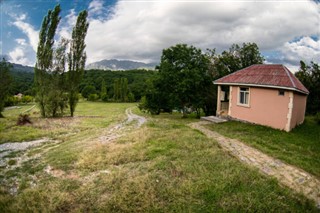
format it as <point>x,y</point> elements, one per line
<point>244,96</point>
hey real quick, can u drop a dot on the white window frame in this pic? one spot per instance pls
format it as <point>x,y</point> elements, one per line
<point>248,96</point>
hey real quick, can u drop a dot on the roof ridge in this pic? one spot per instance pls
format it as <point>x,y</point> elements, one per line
<point>234,72</point>
<point>287,72</point>
<point>277,75</point>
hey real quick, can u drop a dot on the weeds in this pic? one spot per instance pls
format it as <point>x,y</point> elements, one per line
<point>23,119</point>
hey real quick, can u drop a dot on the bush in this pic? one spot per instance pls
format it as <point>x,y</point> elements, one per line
<point>93,97</point>
<point>131,97</point>
<point>87,90</point>
<point>143,104</point>
<point>318,118</point>
<point>23,119</point>
<point>11,101</point>
<point>104,97</point>
<point>26,99</point>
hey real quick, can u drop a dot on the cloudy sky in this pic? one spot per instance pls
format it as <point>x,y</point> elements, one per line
<point>286,31</point>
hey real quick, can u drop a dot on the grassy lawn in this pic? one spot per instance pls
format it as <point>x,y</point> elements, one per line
<point>87,116</point>
<point>300,147</point>
<point>164,166</point>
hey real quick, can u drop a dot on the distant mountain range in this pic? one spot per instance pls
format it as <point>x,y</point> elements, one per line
<point>115,64</point>
<point>21,68</point>
<point>17,67</point>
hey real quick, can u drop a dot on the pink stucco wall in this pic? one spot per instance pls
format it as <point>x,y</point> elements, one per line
<point>298,111</point>
<point>266,107</point>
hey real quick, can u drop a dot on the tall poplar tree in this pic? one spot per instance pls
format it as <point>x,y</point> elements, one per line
<point>45,57</point>
<point>77,59</point>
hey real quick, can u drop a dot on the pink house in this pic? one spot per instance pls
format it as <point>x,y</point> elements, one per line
<point>266,94</point>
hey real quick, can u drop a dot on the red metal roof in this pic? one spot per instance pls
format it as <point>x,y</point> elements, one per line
<point>264,75</point>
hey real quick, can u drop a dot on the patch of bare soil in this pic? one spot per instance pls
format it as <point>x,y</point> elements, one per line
<point>288,175</point>
<point>7,148</point>
<point>60,173</point>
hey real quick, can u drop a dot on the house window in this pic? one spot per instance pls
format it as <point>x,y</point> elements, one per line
<point>281,92</point>
<point>244,96</point>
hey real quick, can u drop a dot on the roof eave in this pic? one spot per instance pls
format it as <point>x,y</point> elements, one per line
<point>264,86</point>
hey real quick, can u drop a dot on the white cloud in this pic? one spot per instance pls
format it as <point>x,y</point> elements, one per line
<point>22,17</point>
<point>66,24</point>
<point>139,30</point>
<point>21,41</point>
<point>29,31</point>
<point>305,49</point>
<point>95,7</point>
<point>18,56</point>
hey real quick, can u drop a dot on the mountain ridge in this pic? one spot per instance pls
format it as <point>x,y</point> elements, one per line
<point>107,64</point>
<point>116,64</point>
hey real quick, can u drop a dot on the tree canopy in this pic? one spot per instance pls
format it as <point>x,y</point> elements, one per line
<point>186,75</point>
<point>183,79</point>
<point>5,81</point>
<point>50,78</point>
<point>77,59</point>
<point>309,75</point>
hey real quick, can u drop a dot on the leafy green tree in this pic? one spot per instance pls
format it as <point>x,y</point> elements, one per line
<point>116,89</point>
<point>57,99</point>
<point>309,75</point>
<point>234,59</point>
<point>229,61</point>
<point>249,55</point>
<point>103,93</point>
<point>183,79</point>
<point>124,89</point>
<point>45,58</point>
<point>5,81</point>
<point>131,97</point>
<point>26,99</point>
<point>93,97</point>
<point>77,59</point>
<point>87,90</point>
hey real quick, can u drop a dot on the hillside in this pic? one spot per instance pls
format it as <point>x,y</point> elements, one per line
<point>137,80</point>
<point>22,68</point>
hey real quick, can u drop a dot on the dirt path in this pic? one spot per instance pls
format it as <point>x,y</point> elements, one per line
<point>290,176</point>
<point>110,134</point>
<point>119,129</point>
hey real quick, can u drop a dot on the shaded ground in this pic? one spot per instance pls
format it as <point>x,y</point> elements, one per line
<point>288,175</point>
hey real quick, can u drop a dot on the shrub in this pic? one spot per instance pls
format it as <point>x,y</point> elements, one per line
<point>318,117</point>
<point>104,97</point>
<point>26,99</point>
<point>11,101</point>
<point>93,97</point>
<point>143,104</point>
<point>23,119</point>
<point>131,97</point>
<point>12,162</point>
<point>87,90</point>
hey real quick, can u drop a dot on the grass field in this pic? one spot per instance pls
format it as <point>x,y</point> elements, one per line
<point>300,147</point>
<point>164,166</point>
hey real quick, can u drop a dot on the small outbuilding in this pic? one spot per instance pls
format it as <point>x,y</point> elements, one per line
<point>266,94</point>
